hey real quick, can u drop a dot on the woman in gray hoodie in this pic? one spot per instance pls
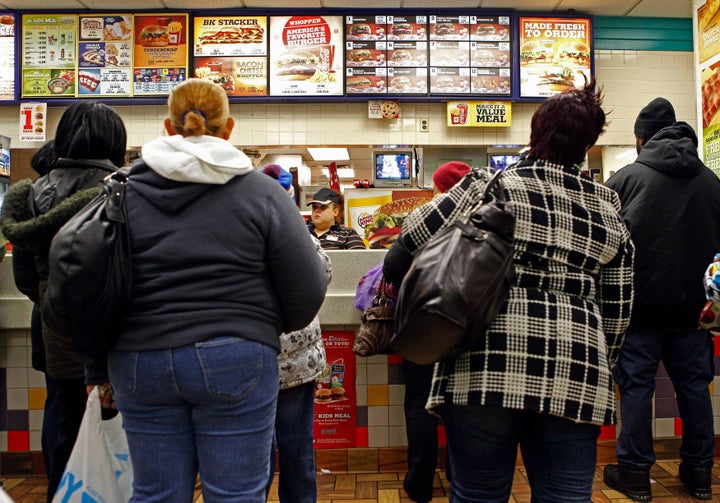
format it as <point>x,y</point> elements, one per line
<point>222,266</point>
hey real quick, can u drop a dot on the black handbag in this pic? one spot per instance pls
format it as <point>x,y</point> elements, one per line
<point>457,282</point>
<point>91,274</point>
<point>376,325</point>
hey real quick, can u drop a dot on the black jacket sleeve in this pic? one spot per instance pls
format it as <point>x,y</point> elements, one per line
<point>397,262</point>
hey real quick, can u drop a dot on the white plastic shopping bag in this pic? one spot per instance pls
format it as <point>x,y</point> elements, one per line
<point>99,468</point>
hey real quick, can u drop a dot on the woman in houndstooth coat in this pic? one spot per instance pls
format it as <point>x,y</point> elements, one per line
<point>540,376</point>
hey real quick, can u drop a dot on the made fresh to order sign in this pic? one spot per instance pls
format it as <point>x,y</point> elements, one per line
<point>479,114</point>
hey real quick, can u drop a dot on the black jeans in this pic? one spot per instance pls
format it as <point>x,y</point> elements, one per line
<point>688,359</point>
<point>71,398</point>
<point>421,428</point>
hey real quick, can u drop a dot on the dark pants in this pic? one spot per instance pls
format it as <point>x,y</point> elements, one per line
<point>71,397</point>
<point>421,428</point>
<point>688,359</point>
<point>294,442</point>
<point>48,437</point>
<point>559,455</point>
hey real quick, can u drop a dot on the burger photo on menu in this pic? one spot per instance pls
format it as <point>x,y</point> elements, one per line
<point>407,28</point>
<point>486,57</point>
<point>297,64</point>
<point>365,54</point>
<point>572,53</point>
<point>215,70</point>
<point>534,52</point>
<point>360,80</point>
<point>490,84</point>
<point>387,221</point>
<point>449,53</point>
<point>407,54</point>
<point>556,79</point>
<point>449,81</point>
<point>490,32</point>
<point>364,29</point>
<point>407,80</point>
<point>154,35</point>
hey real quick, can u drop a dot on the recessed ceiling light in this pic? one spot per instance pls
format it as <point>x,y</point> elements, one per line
<point>329,154</point>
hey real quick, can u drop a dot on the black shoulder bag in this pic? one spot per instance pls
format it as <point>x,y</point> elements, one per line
<point>457,282</point>
<point>91,274</point>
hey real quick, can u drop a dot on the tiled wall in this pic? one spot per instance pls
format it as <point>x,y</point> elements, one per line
<point>630,80</point>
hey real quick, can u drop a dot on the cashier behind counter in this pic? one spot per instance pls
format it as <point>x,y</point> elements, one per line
<point>326,204</point>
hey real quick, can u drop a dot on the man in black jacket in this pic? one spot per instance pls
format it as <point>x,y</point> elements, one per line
<point>669,203</point>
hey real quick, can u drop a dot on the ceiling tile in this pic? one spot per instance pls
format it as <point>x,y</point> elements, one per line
<point>41,4</point>
<point>125,5</point>
<point>635,8</point>
<point>663,8</point>
<point>445,4</point>
<point>284,4</point>
<point>524,5</point>
<point>205,4</point>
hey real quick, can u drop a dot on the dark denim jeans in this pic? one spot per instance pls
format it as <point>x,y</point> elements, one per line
<point>210,407</point>
<point>559,455</point>
<point>294,440</point>
<point>688,359</point>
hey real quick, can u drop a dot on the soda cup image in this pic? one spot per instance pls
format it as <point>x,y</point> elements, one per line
<point>458,114</point>
<point>337,373</point>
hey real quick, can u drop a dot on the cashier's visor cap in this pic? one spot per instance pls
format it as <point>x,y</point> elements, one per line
<point>325,196</point>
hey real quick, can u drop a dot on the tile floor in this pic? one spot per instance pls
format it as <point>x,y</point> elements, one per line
<point>386,487</point>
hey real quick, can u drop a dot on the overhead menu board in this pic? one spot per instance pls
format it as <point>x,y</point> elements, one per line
<point>7,63</point>
<point>420,54</point>
<point>105,49</point>
<point>306,56</point>
<point>232,52</point>
<point>160,52</point>
<point>49,53</point>
<point>555,55</point>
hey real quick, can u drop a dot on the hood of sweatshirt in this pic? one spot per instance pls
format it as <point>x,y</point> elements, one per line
<point>196,159</point>
<point>673,151</point>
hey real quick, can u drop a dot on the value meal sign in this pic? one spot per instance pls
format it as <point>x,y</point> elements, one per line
<point>555,55</point>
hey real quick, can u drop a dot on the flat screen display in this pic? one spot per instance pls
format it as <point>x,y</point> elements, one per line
<point>392,168</point>
<point>502,161</point>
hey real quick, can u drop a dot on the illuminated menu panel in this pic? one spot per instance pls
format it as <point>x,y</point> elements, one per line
<point>7,63</point>
<point>49,55</point>
<point>105,49</point>
<point>232,52</point>
<point>160,52</point>
<point>555,55</point>
<point>306,56</point>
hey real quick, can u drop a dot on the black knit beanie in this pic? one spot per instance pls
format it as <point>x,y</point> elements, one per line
<point>657,114</point>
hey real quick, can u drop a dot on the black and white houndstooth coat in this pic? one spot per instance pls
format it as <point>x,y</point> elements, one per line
<point>553,344</point>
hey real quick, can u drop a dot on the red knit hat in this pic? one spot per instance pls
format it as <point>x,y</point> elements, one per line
<point>449,174</point>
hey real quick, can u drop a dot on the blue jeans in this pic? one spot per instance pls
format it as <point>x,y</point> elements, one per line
<point>688,359</point>
<point>210,407</point>
<point>294,437</point>
<point>559,455</point>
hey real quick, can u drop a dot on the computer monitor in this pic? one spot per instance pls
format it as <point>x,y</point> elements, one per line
<point>393,168</point>
<point>502,161</point>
